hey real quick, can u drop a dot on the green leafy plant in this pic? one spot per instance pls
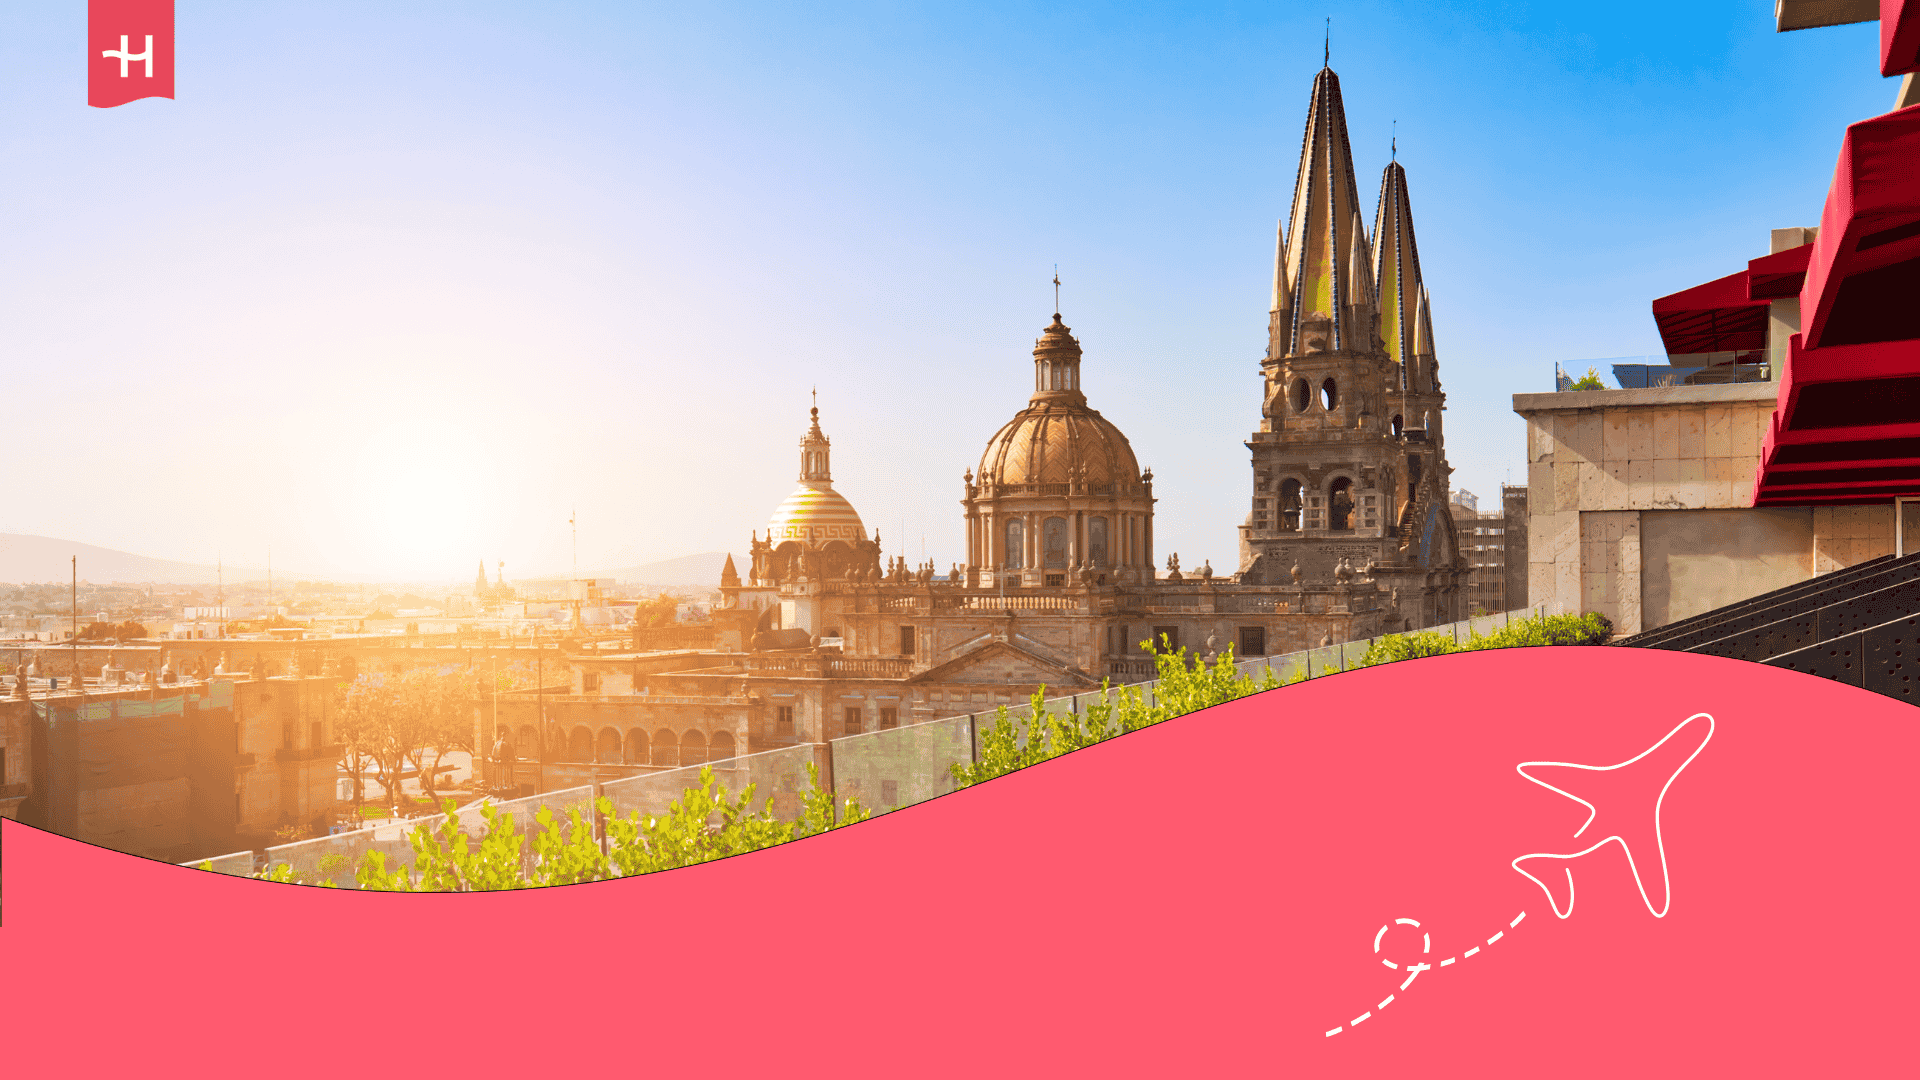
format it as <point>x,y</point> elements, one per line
<point>1015,743</point>
<point>1589,381</point>
<point>705,823</point>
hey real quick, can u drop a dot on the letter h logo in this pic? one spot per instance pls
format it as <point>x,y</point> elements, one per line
<point>126,56</point>
<point>116,76</point>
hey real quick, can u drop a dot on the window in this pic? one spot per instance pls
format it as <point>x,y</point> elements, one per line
<point>286,735</point>
<point>851,724</point>
<point>318,740</point>
<point>906,641</point>
<point>889,718</point>
<point>1340,504</point>
<point>1097,540</point>
<point>1299,396</point>
<point>1171,634</point>
<point>1253,641</point>
<point>1016,544</point>
<point>1055,580</point>
<point>1053,536</point>
<point>1290,505</point>
<point>590,682</point>
<point>783,720</point>
<point>1329,395</point>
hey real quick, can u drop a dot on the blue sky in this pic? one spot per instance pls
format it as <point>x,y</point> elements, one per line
<point>393,288</point>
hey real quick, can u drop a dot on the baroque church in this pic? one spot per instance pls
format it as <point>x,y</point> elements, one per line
<point>1349,482</point>
<point>1347,534</point>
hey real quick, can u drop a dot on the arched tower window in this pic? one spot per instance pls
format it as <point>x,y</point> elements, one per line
<point>1290,505</point>
<point>1340,505</point>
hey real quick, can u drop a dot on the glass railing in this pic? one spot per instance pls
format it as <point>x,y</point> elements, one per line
<point>1654,372</point>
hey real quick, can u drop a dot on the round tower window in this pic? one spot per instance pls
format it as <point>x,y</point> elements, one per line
<point>1300,395</point>
<point>1329,395</point>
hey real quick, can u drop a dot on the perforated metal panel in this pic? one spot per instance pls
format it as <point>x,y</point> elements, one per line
<point>1773,639</point>
<point>1893,659</point>
<point>1873,609</point>
<point>1843,660</point>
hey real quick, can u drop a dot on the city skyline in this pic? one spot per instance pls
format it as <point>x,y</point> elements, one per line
<point>496,265</point>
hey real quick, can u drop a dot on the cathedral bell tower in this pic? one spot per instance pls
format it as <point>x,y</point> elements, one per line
<point>1347,461</point>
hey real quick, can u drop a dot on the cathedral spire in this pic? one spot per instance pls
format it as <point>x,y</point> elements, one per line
<point>1396,273</point>
<point>1313,278</point>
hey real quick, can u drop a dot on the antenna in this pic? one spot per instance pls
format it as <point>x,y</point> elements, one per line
<point>1326,54</point>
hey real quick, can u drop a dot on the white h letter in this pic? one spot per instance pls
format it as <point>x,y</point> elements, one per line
<point>125,56</point>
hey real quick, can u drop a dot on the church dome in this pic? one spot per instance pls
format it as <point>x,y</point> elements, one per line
<point>1057,439</point>
<point>817,513</point>
<point>1049,444</point>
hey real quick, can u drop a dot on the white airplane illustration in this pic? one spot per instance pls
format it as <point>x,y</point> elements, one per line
<point>1636,830</point>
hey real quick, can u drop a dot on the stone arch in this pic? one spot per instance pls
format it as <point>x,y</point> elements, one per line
<point>607,752</point>
<point>636,749</point>
<point>693,748</point>
<point>666,747</point>
<point>1340,504</point>
<point>721,747</point>
<point>580,745</point>
<point>786,560</point>
<point>836,559</point>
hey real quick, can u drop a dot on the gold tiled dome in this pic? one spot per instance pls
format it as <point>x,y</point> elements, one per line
<point>815,513</point>
<point>1045,443</point>
<point>1057,439</point>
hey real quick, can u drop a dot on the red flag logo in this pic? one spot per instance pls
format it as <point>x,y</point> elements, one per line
<point>129,51</point>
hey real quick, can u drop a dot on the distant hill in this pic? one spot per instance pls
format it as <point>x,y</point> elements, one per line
<point>698,571</point>
<point>42,559</point>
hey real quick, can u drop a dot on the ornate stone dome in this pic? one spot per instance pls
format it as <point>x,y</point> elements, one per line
<point>1049,444</point>
<point>1057,439</point>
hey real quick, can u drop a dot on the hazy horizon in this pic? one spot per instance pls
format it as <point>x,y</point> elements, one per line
<point>389,290</point>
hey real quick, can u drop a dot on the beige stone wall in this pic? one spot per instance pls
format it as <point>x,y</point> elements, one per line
<point>1616,480</point>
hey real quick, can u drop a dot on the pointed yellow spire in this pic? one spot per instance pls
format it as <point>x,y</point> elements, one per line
<point>1323,239</point>
<point>1396,262</point>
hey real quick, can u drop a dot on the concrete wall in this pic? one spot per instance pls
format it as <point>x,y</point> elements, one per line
<point>1639,506</point>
